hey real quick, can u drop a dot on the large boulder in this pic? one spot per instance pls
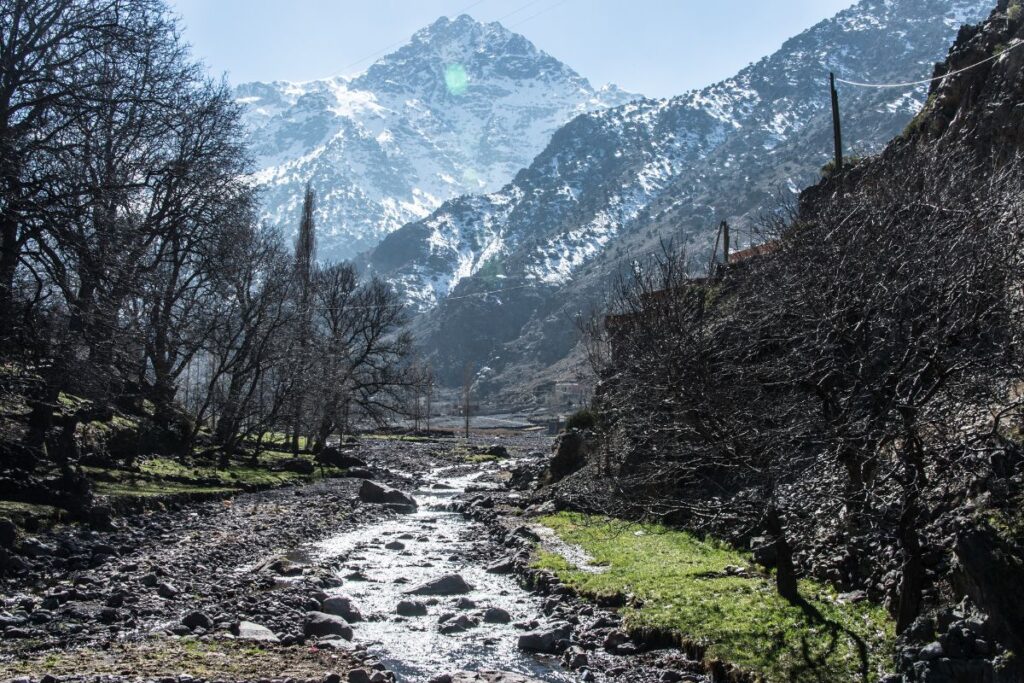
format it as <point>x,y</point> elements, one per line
<point>411,608</point>
<point>335,457</point>
<point>570,455</point>
<point>548,641</point>
<point>341,606</point>
<point>372,492</point>
<point>247,630</point>
<point>297,465</point>
<point>449,584</point>
<point>496,615</point>
<point>321,624</point>
<point>990,571</point>
<point>194,620</point>
<point>8,533</point>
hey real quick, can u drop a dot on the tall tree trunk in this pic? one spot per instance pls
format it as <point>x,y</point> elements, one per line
<point>9,253</point>
<point>912,572</point>
<point>785,571</point>
<point>227,423</point>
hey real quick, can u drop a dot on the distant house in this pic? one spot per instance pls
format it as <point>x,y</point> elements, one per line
<point>618,324</point>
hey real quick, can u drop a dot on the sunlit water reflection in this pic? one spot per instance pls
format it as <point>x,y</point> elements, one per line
<point>437,542</point>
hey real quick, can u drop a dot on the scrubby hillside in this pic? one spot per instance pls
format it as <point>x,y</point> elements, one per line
<point>846,402</point>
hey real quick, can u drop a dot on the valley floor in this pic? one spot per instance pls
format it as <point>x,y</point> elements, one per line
<point>223,589</point>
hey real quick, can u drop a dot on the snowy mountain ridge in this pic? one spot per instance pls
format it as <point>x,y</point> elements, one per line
<point>613,184</point>
<point>458,110</point>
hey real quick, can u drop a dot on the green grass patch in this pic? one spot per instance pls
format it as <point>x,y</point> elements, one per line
<point>281,440</point>
<point>31,515</point>
<point>683,586</point>
<point>71,403</point>
<point>166,476</point>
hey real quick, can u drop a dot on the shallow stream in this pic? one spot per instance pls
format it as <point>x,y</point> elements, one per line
<point>437,542</point>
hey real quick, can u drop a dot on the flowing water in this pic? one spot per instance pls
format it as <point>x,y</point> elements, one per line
<point>437,542</point>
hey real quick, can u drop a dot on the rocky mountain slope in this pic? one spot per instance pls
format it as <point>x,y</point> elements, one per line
<point>612,184</point>
<point>459,109</point>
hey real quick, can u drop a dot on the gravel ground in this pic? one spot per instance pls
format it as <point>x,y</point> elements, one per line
<point>223,590</point>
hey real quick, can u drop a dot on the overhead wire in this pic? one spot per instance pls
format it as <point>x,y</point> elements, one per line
<point>537,14</point>
<point>936,78</point>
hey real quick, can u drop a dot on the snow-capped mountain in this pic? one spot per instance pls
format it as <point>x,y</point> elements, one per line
<point>457,110</point>
<point>611,184</point>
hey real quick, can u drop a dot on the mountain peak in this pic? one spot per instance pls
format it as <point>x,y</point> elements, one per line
<point>460,108</point>
<point>480,52</point>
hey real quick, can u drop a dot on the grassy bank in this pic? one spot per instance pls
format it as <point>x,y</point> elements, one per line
<point>682,584</point>
<point>164,476</point>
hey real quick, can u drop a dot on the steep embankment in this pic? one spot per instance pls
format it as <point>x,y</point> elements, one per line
<point>849,400</point>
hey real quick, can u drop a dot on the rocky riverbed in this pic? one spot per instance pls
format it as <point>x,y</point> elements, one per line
<point>339,580</point>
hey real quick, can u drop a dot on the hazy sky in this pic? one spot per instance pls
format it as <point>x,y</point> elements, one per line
<point>654,47</point>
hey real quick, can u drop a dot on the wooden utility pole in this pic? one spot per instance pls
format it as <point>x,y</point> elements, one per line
<point>837,133</point>
<point>725,243</point>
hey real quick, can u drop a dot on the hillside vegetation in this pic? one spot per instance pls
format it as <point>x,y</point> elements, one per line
<point>845,401</point>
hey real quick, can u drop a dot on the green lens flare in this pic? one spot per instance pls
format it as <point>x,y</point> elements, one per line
<point>456,79</point>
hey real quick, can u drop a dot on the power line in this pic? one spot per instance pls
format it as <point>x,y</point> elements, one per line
<point>517,10</point>
<point>543,11</point>
<point>931,80</point>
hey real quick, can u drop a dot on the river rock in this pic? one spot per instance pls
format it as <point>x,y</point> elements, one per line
<point>358,473</point>
<point>8,533</point>
<point>449,584</point>
<point>545,640</point>
<point>341,606</point>
<point>575,658</point>
<point>197,619</point>
<point>334,457</point>
<point>248,630</point>
<point>503,566</point>
<point>281,566</point>
<point>483,676</point>
<point>322,624</point>
<point>411,608</point>
<point>395,545</point>
<point>296,465</point>
<point>166,590</point>
<point>372,492</point>
<point>459,624</point>
<point>496,615</point>
<point>33,547</point>
<point>619,643</point>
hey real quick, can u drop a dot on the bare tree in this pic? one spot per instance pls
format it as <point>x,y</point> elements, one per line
<point>781,392</point>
